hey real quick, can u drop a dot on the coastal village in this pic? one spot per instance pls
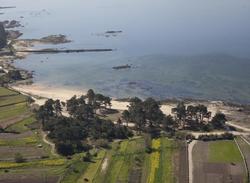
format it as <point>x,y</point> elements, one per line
<point>71,136</point>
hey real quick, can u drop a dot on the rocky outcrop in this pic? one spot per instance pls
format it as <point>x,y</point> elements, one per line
<point>3,39</point>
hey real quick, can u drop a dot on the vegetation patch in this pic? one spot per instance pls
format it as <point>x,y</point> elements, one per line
<point>74,170</point>
<point>21,126</point>
<point>160,167</point>
<point>12,111</point>
<point>19,142</point>
<point>49,162</point>
<point>165,173</point>
<point>12,100</point>
<point>6,92</point>
<point>154,160</point>
<point>224,152</point>
<point>93,167</point>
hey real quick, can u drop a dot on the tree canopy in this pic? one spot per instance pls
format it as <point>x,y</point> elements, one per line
<point>71,134</point>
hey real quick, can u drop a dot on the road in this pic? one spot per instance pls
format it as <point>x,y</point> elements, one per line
<point>190,160</point>
<point>52,145</point>
<point>230,123</point>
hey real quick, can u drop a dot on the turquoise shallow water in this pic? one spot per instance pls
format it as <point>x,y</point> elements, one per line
<point>176,48</point>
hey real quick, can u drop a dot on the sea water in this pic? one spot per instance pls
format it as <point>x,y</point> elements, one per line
<point>176,48</point>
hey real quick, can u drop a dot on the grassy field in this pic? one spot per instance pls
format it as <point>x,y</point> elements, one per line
<point>92,168</point>
<point>74,169</point>
<point>22,126</point>
<point>12,111</point>
<point>224,152</point>
<point>12,100</point>
<point>6,92</point>
<point>19,142</point>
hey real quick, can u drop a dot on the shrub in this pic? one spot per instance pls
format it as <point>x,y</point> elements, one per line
<point>87,157</point>
<point>190,137</point>
<point>44,157</point>
<point>102,143</point>
<point>148,143</point>
<point>19,158</point>
<point>211,137</point>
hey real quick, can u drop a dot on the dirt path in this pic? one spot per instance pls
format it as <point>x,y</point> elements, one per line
<point>230,123</point>
<point>244,138</point>
<point>52,145</point>
<point>190,160</point>
<point>104,164</point>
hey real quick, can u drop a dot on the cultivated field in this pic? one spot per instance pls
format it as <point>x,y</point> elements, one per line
<point>245,148</point>
<point>21,134</point>
<point>218,161</point>
<point>127,161</point>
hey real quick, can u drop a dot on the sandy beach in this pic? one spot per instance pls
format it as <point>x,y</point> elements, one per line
<point>41,93</point>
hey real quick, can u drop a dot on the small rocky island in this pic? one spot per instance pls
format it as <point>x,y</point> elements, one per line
<point>121,67</point>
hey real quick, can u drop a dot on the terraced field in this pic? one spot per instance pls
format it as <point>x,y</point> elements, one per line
<point>21,133</point>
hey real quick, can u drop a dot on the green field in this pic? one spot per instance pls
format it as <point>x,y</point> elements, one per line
<point>12,100</point>
<point>93,167</point>
<point>158,166</point>
<point>224,152</point>
<point>127,161</point>
<point>22,126</point>
<point>6,92</point>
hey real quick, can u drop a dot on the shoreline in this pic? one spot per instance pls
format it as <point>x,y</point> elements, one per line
<point>40,93</point>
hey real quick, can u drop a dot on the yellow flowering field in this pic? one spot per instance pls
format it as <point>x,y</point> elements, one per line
<point>154,159</point>
<point>50,162</point>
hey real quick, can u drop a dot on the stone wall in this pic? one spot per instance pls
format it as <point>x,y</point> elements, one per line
<point>2,36</point>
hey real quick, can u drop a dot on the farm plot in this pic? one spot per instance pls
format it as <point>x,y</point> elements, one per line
<point>127,161</point>
<point>22,126</point>
<point>74,169</point>
<point>6,92</point>
<point>30,175</point>
<point>160,163</point>
<point>11,114</point>
<point>217,161</point>
<point>19,134</point>
<point>120,163</point>
<point>245,148</point>
<point>181,163</point>
<point>9,100</point>
<point>92,168</point>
